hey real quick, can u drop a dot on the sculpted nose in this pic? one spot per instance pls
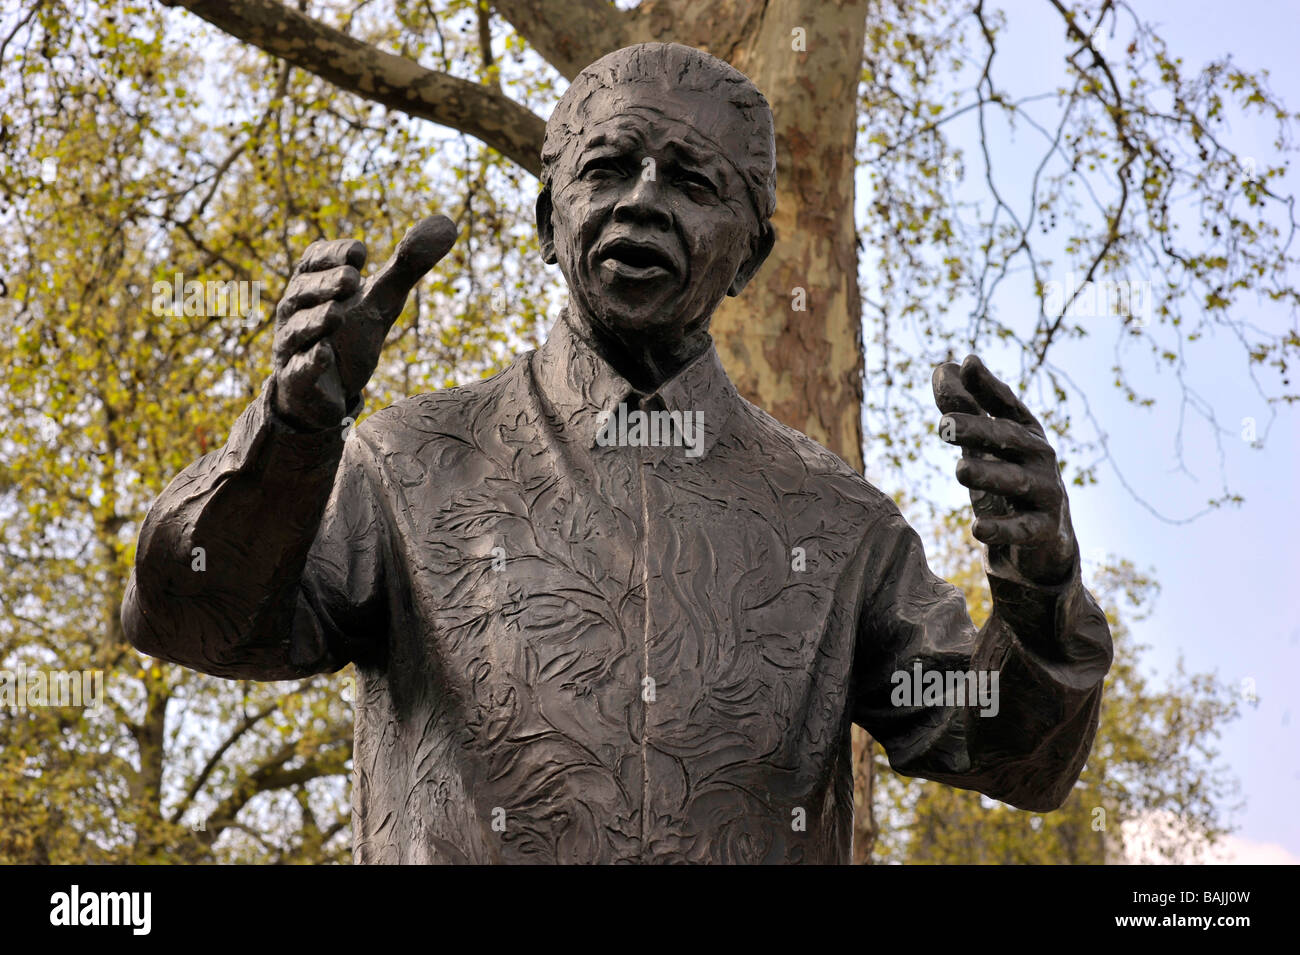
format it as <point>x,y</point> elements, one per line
<point>643,204</point>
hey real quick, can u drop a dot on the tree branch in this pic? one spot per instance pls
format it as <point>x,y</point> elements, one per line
<point>393,81</point>
<point>568,35</point>
<point>329,760</point>
<point>722,27</point>
<point>247,723</point>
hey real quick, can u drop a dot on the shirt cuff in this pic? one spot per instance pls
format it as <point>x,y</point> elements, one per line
<point>263,443</point>
<point>1055,622</point>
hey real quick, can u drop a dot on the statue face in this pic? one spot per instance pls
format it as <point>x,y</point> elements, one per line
<point>649,219</point>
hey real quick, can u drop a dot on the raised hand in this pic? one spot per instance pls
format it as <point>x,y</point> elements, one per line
<point>1021,510</point>
<point>329,329</point>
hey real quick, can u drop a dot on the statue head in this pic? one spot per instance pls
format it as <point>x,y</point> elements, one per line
<point>659,183</point>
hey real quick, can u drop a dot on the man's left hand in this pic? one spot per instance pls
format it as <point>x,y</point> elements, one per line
<point>1021,511</point>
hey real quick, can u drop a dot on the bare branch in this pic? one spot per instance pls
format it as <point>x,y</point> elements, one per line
<point>328,760</point>
<point>568,35</point>
<point>393,81</point>
<point>246,724</point>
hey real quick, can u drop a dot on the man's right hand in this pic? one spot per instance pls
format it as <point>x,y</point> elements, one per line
<point>329,329</point>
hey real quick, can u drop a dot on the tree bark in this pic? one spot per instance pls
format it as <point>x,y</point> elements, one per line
<point>805,366</point>
<point>395,81</point>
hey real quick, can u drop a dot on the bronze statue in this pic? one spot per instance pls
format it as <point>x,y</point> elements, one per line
<point>601,608</point>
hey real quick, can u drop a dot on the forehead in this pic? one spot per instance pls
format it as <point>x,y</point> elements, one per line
<point>644,130</point>
<point>701,126</point>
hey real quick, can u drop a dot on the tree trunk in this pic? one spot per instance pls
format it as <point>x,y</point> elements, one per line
<point>798,354</point>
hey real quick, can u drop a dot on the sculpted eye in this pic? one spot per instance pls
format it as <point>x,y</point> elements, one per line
<point>602,167</point>
<point>695,183</point>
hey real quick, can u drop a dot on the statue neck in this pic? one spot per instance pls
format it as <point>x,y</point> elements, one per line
<point>645,360</point>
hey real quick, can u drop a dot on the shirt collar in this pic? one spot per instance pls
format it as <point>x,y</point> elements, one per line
<point>584,390</point>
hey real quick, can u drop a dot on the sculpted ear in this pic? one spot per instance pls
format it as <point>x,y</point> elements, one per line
<point>545,230</point>
<point>762,248</point>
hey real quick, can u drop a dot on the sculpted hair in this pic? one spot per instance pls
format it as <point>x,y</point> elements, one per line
<point>673,66</point>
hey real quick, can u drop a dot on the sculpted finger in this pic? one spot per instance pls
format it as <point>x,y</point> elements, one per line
<point>304,329</point>
<point>420,249</point>
<point>993,395</point>
<point>949,393</point>
<point>308,391</point>
<point>330,254</point>
<point>1008,480</point>
<point>312,288</point>
<point>1018,530</point>
<point>996,436</point>
<point>986,504</point>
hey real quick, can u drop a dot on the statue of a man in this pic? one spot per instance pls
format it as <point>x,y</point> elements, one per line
<point>601,608</point>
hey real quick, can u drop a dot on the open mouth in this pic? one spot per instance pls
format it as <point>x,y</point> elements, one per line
<point>626,259</point>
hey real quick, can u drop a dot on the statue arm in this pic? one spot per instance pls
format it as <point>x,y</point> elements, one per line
<point>1050,647</point>
<point>262,560</point>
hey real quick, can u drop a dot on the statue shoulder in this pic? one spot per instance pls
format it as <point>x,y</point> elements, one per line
<point>817,468</point>
<point>448,411</point>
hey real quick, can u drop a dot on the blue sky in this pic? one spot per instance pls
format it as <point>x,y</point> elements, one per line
<point>1230,580</point>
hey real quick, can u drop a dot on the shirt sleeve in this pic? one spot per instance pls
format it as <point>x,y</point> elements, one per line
<point>263,560</point>
<point>1041,657</point>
